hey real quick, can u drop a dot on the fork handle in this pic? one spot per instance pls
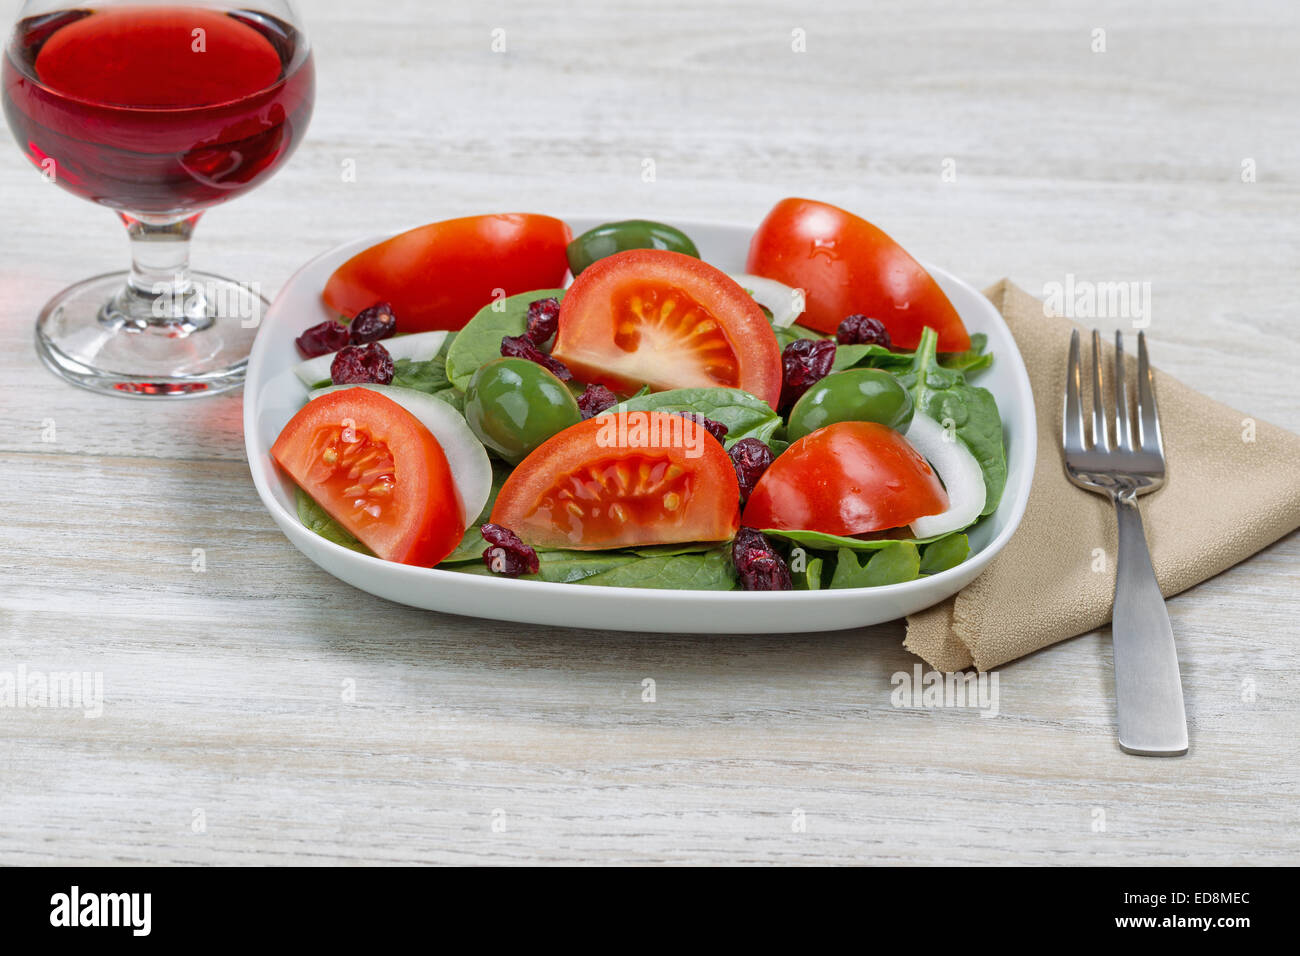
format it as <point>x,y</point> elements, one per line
<point>1148,687</point>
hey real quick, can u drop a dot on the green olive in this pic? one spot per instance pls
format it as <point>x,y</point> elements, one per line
<point>853,395</point>
<point>513,405</point>
<point>615,237</point>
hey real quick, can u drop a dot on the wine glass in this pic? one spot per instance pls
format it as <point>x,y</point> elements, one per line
<point>157,110</point>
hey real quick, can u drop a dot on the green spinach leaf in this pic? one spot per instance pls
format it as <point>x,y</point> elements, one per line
<point>873,356</point>
<point>877,356</point>
<point>809,576</point>
<point>668,550</point>
<point>479,342</point>
<point>707,571</point>
<point>972,360</point>
<point>559,567</point>
<point>898,562</point>
<point>453,397</point>
<point>745,415</point>
<point>948,552</point>
<point>430,376</point>
<point>656,565</point>
<point>817,541</point>
<point>944,395</point>
<point>317,519</point>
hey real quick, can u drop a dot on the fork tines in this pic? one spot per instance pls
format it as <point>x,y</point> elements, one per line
<point>1143,411</point>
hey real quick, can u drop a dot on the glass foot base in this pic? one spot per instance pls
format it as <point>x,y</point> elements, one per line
<point>100,335</point>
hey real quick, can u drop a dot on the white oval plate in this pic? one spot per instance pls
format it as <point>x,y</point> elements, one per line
<point>272,394</point>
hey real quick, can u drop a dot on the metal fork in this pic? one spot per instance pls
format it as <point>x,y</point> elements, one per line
<point>1148,687</point>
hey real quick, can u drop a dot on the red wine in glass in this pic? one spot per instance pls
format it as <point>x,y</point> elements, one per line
<point>157,112</point>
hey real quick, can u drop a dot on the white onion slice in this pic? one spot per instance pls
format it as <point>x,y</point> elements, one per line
<point>957,469</point>
<point>785,304</point>
<point>419,347</point>
<point>466,456</point>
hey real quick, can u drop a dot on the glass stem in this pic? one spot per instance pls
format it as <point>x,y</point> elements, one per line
<point>159,296</point>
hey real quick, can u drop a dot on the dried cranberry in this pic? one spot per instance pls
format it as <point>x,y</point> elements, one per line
<point>759,566</point>
<point>804,362</point>
<point>373,324</point>
<point>595,400</point>
<point>716,429</point>
<point>543,320</point>
<point>521,346</point>
<point>751,458</point>
<point>506,554</point>
<point>329,336</point>
<point>862,330</point>
<point>362,365</point>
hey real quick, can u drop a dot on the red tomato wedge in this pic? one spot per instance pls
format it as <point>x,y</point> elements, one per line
<point>847,478</point>
<point>847,266</point>
<point>667,320</point>
<point>623,480</point>
<point>378,471</point>
<point>438,276</point>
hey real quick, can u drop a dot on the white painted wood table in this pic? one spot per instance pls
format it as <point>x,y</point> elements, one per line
<point>259,711</point>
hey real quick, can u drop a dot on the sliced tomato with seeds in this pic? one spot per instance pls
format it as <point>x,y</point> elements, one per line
<point>667,320</point>
<point>378,471</point>
<point>847,478</point>
<point>623,480</point>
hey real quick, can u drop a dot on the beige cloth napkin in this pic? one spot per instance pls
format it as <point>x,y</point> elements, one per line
<point>1225,498</point>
